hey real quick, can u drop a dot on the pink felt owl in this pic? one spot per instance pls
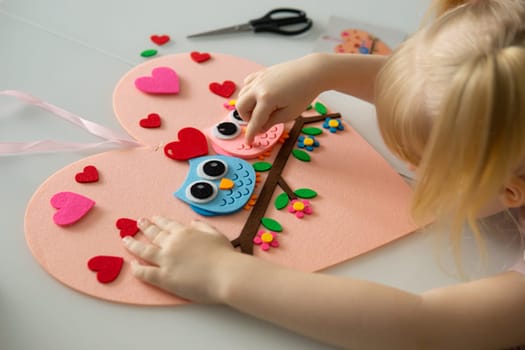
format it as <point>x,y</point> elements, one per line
<point>227,138</point>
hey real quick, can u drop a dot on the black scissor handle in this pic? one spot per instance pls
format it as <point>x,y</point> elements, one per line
<point>275,20</point>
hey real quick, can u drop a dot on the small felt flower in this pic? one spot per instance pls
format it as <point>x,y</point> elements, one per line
<point>266,239</point>
<point>307,142</point>
<point>333,125</point>
<point>230,105</point>
<point>300,207</point>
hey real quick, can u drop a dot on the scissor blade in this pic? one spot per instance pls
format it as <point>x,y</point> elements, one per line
<point>232,29</point>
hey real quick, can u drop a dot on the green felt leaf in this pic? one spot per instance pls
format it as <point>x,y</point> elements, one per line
<point>305,193</point>
<point>301,155</point>
<point>262,166</point>
<point>148,53</point>
<point>281,201</point>
<point>271,224</point>
<point>309,107</point>
<point>320,108</point>
<point>312,131</point>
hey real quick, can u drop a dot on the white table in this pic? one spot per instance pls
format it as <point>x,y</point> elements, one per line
<point>72,53</point>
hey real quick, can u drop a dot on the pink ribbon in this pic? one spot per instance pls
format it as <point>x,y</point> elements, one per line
<point>111,138</point>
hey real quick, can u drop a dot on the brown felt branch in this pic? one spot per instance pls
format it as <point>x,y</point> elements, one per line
<point>245,239</point>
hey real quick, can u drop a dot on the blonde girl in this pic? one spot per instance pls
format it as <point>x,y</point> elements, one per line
<point>451,102</point>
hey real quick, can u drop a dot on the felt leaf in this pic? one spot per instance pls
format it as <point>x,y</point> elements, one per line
<point>107,267</point>
<point>226,89</point>
<point>281,201</point>
<point>160,39</point>
<point>262,166</point>
<point>89,174</point>
<point>320,108</point>
<point>149,53</point>
<point>301,155</point>
<point>305,193</point>
<point>271,224</point>
<point>313,131</point>
<point>163,80</point>
<point>71,207</point>
<point>192,143</point>
<point>309,107</point>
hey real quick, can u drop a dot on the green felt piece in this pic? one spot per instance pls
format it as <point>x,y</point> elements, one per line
<point>262,166</point>
<point>301,155</point>
<point>320,108</point>
<point>312,131</point>
<point>305,193</point>
<point>309,107</point>
<point>148,53</point>
<point>281,201</point>
<point>271,224</point>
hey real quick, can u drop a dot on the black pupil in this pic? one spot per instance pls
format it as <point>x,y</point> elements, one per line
<point>237,116</point>
<point>201,190</point>
<point>214,168</point>
<point>227,128</point>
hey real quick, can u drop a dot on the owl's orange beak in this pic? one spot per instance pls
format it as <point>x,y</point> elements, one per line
<point>226,184</point>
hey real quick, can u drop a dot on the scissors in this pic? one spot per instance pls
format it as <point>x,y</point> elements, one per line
<point>274,21</point>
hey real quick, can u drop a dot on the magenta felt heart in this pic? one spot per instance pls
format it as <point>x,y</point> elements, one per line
<point>71,207</point>
<point>192,143</point>
<point>163,80</point>
<point>107,267</point>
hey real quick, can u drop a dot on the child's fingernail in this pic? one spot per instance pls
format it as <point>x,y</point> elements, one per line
<point>142,222</point>
<point>126,239</point>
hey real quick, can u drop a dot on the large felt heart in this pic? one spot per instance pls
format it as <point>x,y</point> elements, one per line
<point>107,267</point>
<point>200,57</point>
<point>152,121</point>
<point>163,80</point>
<point>226,89</point>
<point>89,174</point>
<point>71,207</point>
<point>192,143</point>
<point>127,227</point>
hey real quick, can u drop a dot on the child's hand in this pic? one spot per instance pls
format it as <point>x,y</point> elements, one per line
<point>187,259</point>
<point>278,94</point>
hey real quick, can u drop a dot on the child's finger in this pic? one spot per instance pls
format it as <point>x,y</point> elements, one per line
<point>167,224</point>
<point>260,116</point>
<point>150,274</point>
<point>154,233</point>
<point>148,252</point>
<point>204,227</point>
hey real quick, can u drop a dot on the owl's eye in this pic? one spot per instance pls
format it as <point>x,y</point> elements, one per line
<point>212,169</point>
<point>201,191</point>
<point>236,118</point>
<point>226,130</point>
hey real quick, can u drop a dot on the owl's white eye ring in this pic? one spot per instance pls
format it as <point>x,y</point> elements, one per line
<point>226,130</point>
<point>212,169</point>
<point>201,191</point>
<point>235,117</point>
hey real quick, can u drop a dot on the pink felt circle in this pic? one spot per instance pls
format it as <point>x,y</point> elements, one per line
<point>354,185</point>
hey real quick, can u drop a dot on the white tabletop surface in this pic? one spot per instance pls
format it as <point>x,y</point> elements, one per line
<point>72,53</point>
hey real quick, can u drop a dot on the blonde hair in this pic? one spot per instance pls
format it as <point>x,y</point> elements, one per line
<point>451,100</point>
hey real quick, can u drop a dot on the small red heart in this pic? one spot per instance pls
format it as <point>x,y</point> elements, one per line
<point>107,267</point>
<point>160,39</point>
<point>192,143</point>
<point>226,89</point>
<point>90,174</point>
<point>152,121</point>
<point>200,57</point>
<point>127,227</point>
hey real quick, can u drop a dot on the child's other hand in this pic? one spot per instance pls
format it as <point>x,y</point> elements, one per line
<point>186,260</point>
<point>278,94</point>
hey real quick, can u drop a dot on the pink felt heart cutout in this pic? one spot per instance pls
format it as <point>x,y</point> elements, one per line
<point>71,207</point>
<point>226,89</point>
<point>107,267</point>
<point>163,80</point>
<point>192,143</point>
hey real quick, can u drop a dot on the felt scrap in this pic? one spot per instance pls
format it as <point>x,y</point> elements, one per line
<point>89,174</point>
<point>71,207</point>
<point>107,267</point>
<point>192,143</point>
<point>149,53</point>
<point>226,89</point>
<point>163,80</point>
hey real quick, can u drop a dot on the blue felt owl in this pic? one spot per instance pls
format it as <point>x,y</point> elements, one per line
<point>217,185</point>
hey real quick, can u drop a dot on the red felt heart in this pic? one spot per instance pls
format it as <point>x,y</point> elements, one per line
<point>89,174</point>
<point>127,227</point>
<point>200,57</point>
<point>107,267</point>
<point>160,39</point>
<point>152,121</point>
<point>226,89</point>
<point>192,143</point>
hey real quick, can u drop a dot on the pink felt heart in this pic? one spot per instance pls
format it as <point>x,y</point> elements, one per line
<point>200,57</point>
<point>160,39</point>
<point>71,207</point>
<point>107,267</point>
<point>127,227</point>
<point>192,143</point>
<point>152,121</point>
<point>89,174</point>
<point>163,80</point>
<point>226,89</point>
